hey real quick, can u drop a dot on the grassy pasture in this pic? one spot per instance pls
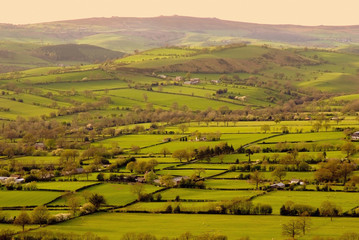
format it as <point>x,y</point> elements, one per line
<point>236,140</point>
<point>303,137</point>
<point>346,200</point>
<point>161,206</point>
<point>204,166</point>
<point>26,198</point>
<point>228,184</point>
<point>106,224</point>
<point>114,194</point>
<point>267,175</point>
<point>37,160</point>
<point>33,99</point>
<point>72,76</point>
<point>189,173</point>
<point>166,99</point>
<point>91,177</point>
<point>65,186</point>
<point>142,140</point>
<point>86,85</point>
<point>22,109</point>
<point>200,194</point>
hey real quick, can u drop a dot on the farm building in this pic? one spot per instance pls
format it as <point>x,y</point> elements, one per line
<point>355,136</point>
<point>278,185</point>
<point>39,146</point>
<point>178,78</point>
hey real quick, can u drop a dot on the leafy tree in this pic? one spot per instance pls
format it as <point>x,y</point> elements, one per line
<point>40,215</point>
<point>137,189</point>
<point>265,128</point>
<point>136,149</point>
<point>279,173</point>
<point>180,154</point>
<point>249,152</point>
<point>22,220</point>
<point>183,128</point>
<point>349,149</point>
<point>165,151</point>
<point>74,204</point>
<point>291,229</point>
<point>97,200</point>
<point>329,209</point>
<point>304,222</point>
<point>256,177</point>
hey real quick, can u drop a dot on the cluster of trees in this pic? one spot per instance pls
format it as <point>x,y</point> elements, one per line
<point>241,206</point>
<point>142,166</point>
<point>326,209</point>
<point>335,170</point>
<point>41,215</point>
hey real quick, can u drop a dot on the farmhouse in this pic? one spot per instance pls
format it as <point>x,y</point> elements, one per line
<point>296,181</point>
<point>355,136</point>
<point>278,185</point>
<point>167,140</point>
<point>16,179</point>
<point>39,146</point>
<point>243,98</point>
<point>179,78</point>
<point>215,81</point>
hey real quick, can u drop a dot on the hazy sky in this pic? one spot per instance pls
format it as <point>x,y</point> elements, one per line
<point>303,12</point>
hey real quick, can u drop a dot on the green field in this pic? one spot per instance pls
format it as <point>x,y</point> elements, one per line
<point>345,200</point>
<point>63,186</point>
<point>106,224</point>
<point>26,198</point>
<point>114,194</point>
<point>198,194</point>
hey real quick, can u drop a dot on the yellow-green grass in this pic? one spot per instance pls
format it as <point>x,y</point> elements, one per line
<point>204,166</point>
<point>167,99</point>
<point>302,137</point>
<point>268,175</point>
<point>142,140</point>
<point>256,227</point>
<point>202,194</point>
<point>87,85</point>
<point>90,177</point>
<point>232,158</point>
<point>160,159</point>
<point>36,160</point>
<point>171,51</point>
<point>33,99</point>
<point>162,166</point>
<point>64,186</point>
<point>349,97</point>
<point>114,194</point>
<point>236,140</point>
<point>333,82</point>
<point>71,76</point>
<point>12,227</point>
<point>26,198</point>
<point>161,206</point>
<point>189,173</point>
<point>22,109</point>
<point>345,200</point>
<point>229,184</point>
<point>14,213</point>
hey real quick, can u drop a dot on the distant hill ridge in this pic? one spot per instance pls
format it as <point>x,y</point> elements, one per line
<point>130,33</point>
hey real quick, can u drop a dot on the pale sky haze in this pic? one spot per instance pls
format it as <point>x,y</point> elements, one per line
<point>300,12</point>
